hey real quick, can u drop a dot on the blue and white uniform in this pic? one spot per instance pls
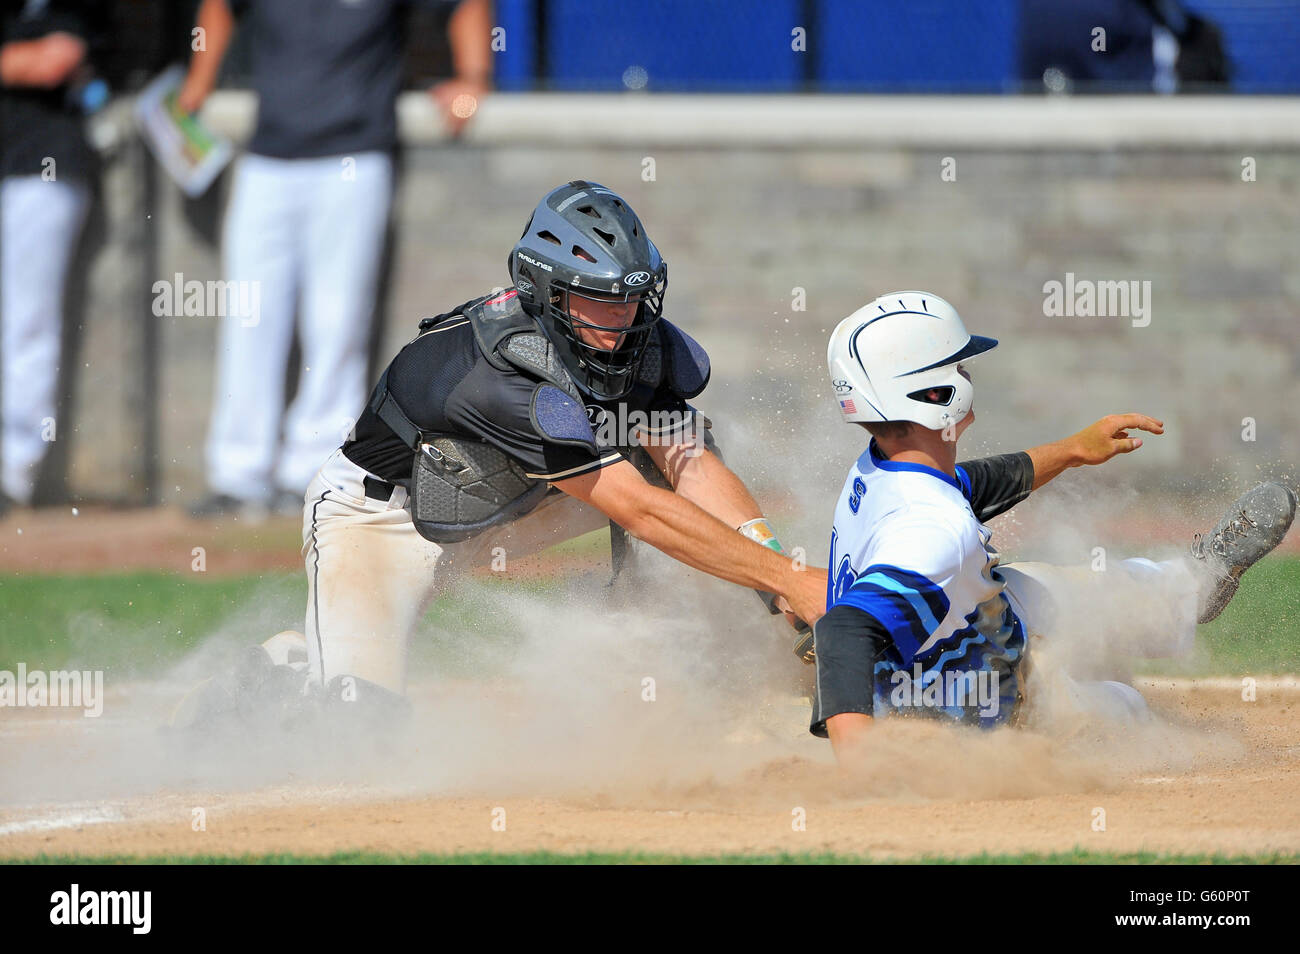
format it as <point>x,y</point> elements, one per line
<point>909,552</point>
<point>922,619</point>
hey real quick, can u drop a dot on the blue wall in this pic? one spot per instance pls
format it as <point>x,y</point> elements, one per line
<point>917,45</point>
<point>869,45</point>
<point>1263,41</point>
<point>681,44</point>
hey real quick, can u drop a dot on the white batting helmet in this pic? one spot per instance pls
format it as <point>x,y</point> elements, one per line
<point>886,356</point>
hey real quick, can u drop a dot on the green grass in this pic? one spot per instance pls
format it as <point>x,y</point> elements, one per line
<point>1259,632</point>
<point>139,623</point>
<point>1075,857</point>
<point>133,621</point>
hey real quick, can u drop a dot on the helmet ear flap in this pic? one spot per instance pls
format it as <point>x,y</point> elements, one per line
<point>956,397</point>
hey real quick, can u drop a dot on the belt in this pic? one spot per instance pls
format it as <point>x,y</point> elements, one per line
<point>377,489</point>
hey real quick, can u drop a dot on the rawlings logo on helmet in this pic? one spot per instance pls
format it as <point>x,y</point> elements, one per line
<point>633,279</point>
<point>532,261</point>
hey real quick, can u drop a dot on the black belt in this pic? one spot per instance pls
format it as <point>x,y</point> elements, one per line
<point>377,489</point>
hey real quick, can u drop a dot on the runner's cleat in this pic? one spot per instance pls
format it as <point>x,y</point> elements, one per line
<point>1255,525</point>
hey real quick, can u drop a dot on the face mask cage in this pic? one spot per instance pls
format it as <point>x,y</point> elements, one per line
<point>608,372</point>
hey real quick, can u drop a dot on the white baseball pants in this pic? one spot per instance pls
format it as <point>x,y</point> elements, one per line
<point>1134,607</point>
<point>41,221</point>
<point>1083,622</point>
<point>310,233</point>
<point>371,576</point>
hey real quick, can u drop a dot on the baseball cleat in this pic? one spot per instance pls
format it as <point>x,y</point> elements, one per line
<point>1256,524</point>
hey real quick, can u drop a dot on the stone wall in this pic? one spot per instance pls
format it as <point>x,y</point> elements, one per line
<point>747,231</point>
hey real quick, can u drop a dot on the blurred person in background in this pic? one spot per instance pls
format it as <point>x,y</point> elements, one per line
<point>46,173</point>
<point>307,220</point>
<point>1148,46</point>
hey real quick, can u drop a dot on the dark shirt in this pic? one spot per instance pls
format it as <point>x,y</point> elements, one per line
<point>36,124</point>
<point>327,73</point>
<point>442,382</point>
<point>996,484</point>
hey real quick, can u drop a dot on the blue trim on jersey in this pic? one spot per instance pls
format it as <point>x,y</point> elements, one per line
<point>884,463</point>
<point>909,605</point>
<point>840,578</point>
<point>1009,641</point>
<point>905,590</point>
<point>978,655</point>
<point>965,651</point>
<point>965,482</point>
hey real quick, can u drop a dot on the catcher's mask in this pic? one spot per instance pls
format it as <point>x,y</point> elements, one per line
<point>584,244</point>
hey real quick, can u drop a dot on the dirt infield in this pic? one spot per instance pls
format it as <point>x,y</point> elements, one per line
<point>1213,774</point>
<point>98,539</point>
<point>550,736</point>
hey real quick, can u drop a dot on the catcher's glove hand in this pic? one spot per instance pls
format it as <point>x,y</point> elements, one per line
<point>803,644</point>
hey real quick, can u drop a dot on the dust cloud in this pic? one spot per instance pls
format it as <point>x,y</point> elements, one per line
<point>670,687</point>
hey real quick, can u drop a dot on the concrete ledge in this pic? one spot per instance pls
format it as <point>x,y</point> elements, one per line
<point>974,122</point>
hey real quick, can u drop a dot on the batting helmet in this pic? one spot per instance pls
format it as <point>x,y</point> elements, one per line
<point>895,359</point>
<point>583,239</point>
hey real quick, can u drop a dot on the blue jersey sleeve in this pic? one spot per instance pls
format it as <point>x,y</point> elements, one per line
<point>908,605</point>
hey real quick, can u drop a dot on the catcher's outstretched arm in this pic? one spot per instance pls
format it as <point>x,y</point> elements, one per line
<point>701,477</point>
<point>698,475</point>
<point>681,529</point>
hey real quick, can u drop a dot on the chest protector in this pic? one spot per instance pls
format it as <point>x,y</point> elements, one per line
<point>461,486</point>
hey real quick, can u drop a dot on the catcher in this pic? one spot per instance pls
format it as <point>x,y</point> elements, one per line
<point>510,423</point>
<point>921,618</point>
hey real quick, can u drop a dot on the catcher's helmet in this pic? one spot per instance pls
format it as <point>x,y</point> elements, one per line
<point>895,359</point>
<point>583,239</point>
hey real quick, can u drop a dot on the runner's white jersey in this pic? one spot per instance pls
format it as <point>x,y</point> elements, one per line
<point>907,548</point>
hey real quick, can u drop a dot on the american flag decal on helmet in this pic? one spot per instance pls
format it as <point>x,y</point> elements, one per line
<point>848,407</point>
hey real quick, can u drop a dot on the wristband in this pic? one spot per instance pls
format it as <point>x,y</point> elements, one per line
<point>761,532</point>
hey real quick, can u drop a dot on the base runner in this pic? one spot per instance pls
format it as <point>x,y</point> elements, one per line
<point>922,618</point>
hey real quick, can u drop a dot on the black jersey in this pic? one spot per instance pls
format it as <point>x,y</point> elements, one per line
<point>38,124</point>
<point>327,74</point>
<point>444,384</point>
